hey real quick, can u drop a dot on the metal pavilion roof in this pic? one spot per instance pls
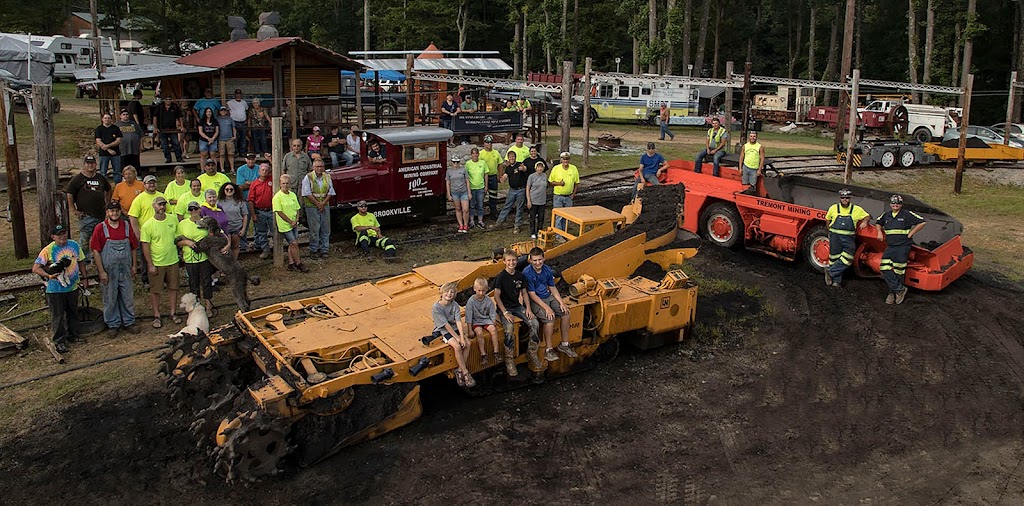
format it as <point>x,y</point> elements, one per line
<point>228,53</point>
<point>147,72</point>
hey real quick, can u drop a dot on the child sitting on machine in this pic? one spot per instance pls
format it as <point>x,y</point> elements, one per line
<point>448,324</point>
<point>480,316</point>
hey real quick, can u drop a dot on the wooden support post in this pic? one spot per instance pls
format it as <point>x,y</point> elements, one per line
<point>1009,108</point>
<point>961,150</point>
<point>586,113</point>
<point>276,163</point>
<point>848,175</point>
<point>376,97</point>
<point>359,102</point>
<point>293,110</point>
<point>566,104</point>
<point>223,91</point>
<point>410,107</point>
<point>746,103</point>
<point>46,160</point>
<point>728,100</point>
<point>13,178</point>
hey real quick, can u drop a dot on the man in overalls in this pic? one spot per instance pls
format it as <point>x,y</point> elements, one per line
<point>317,190</point>
<point>843,220</point>
<point>114,244</point>
<point>897,229</point>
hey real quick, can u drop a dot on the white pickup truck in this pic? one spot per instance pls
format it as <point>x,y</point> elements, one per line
<point>924,123</point>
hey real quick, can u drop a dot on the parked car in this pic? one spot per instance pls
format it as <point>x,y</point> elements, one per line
<point>549,103</point>
<point>985,134</point>
<point>1016,130</point>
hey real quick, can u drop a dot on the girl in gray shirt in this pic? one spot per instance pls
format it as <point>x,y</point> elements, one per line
<point>448,325</point>
<point>536,197</point>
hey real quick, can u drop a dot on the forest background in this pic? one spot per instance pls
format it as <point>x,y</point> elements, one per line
<point>918,41</point>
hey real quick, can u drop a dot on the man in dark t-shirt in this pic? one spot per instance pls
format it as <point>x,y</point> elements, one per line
<point>515,174</point>
<point>167,124</point>
<point>108,140</point>
<point>88,193</point>
<point>511,299</point>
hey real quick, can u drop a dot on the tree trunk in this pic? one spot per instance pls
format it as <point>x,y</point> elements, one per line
<point>460,22</point>
<point>652,32</point>
<point>794,48</point>
<point>719,6</point>
<point>547,42</point>
<point>575,30</point>
<point>833,50</point>
<point>912,43</point>
<point>955,78</point>
<point>636,55</point>
<point>687,35</point>
<point>366,25</point>
<point>516,65</point>
<point>857,33</point>
<point>702,37</point>
<point>1020,63</point>
<point>670,57</point>
<point>526,53</point>
<point>929,47</point>
<point>811,44</point>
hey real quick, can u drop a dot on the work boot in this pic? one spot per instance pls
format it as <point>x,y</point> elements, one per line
<point>565,349</point>
<point>828,278</point>
<point>510,363</point>
<point>901,296</point>
<point>265,255</point>
<point>531,354</point>
<point>891,298</point>
<point>550,355</point>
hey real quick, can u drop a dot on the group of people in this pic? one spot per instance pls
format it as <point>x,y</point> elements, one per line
<point>526,173</point>
<point>529,295</point>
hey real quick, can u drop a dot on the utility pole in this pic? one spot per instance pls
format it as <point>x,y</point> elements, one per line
<point>586,113</point>
<point>1009,107</point>
<point>13,178</point>
<point>366,28</point>
<point>410,107</point>
<point>46,161</point>
<point>961,150</point>
<point>848,177</point>
<point>728,100</point>
<point>566,103</point>
<point>276,156</point>
<point>844,96</point>
<point>96,42</point>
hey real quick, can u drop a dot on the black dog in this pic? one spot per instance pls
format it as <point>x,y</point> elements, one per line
<point>212,244</point>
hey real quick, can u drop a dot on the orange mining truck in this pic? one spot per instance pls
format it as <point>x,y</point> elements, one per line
<point>785,218</point>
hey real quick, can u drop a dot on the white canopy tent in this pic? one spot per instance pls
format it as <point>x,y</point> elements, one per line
<point>26,61</point>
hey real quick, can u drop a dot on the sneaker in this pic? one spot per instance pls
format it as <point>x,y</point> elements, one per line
<point>265,255</point>
<point>828,278</point>
<point>550,355</point>
<point>61,347</point>
<point>464,230</point>
<point>901,296</point>
<point>533,236</point>
<point>483,360</point>
<point>481,225</point>
<point>891,298</point>
<point>323,254</point>
<point>515,230</point>
<point>565,349</point>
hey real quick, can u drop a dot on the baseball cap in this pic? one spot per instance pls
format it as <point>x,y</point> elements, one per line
<point>845,193</point>
<point>113,204</point>
<point>361,203</point>
<point>90,159</point>
<point>149,178</point>
<point>58,229</point>
<point>896,199</point>
<point>223,108</point>
<point>488,138</point>
<point>160,200</point>
<point>564,154</point>
<point>211,162</point>
<point>250,155</point>
<point>316,129</point>
<point>456,159</point>
<point>193,205</point>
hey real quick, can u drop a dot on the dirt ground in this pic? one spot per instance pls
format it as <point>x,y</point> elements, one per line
<point>822,395</point>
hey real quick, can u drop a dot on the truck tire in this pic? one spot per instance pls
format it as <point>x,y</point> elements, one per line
<point>388,109</point>
<point>815,248</point>
<point>721,224</point>
<point>922,135</point>
<point>907,158</point>
<point>593,115</point>
<point>888,159</point>
<point>558,116</point>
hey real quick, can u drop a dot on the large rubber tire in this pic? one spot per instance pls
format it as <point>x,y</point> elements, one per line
<point>815,248</point>
<point>922,135</point>
<point>888,159</point>
<point>388,109</point>
<point>558,116</point>
<point>907,158</point>
<point>593,115</point>
<point>721,224</point>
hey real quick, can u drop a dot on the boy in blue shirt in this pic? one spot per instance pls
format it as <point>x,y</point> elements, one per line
<point>547,303</point>
<point>652,165</point>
